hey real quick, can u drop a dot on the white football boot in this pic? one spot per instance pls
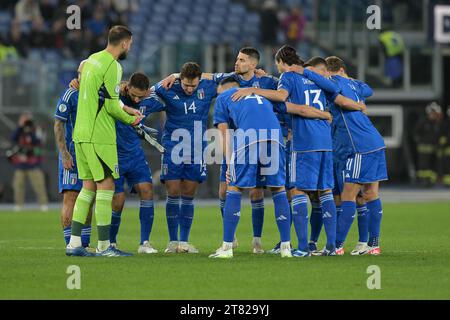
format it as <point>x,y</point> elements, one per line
<point>361,249</point>
<point>172,247</point>
<point>146,247</point>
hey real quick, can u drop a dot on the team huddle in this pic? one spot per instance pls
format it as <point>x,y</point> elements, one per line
<point>304,135</point>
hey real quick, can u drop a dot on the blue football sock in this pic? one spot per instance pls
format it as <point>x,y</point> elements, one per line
<point>345,221</point>
<point>282,215</point>
<point>231,215</point>
<point>67,232</point>
<point>186,217</point>
<point>86,235</point>
<point>115,224</point>
<point>329,219</point>
<point>375,215</point>
<point>363,223</point>
<point>258,217</point>
<point>300,217</point>
<point>338,211</point>
<point>290,213</point>
<point>172,216</point>
<point>222,205</point>
<point>146,216</point>
<point>316,221</point>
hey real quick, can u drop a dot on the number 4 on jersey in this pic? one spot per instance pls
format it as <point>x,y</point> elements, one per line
<point>255,96</point>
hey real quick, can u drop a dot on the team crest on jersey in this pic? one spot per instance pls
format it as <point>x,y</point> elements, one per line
<point>201,94</point>
<point>256,84</point>
<point>73,178</point>
<point>116,169</point>
<point>143,109</point>
<point>62,107</point>
<point>117,90</point>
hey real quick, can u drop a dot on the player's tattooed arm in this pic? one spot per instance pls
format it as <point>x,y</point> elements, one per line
<point>307,111</point>
<point>60,132</point>
<point>74,84</point>
<point>279,95</point>
<point>349,104</point>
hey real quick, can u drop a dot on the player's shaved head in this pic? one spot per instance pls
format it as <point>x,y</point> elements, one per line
<point>319,64</point>
<point>226,84</point>
<point>252,53</point>
<point>246,62</point>
<point>80,69</point>
<point>315,61</point>
<point>335,64</point>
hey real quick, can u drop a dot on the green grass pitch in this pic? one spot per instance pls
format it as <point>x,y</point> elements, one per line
<point>414,264</point>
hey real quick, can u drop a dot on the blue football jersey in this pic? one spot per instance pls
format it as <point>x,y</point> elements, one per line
<point>308,134</point>
<point>251,113</point>
<point>184,111</point>
<point>128,141</point>
<point>264,82</point>
<point>354,128</point>
<point>66,110</point>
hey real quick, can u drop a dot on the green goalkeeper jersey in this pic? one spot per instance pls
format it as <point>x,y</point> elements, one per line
<point>98,101</point>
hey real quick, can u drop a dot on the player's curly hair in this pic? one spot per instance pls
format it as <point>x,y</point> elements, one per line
<point>139,80</point>
<point>288,55</point>
<point>190,70</point>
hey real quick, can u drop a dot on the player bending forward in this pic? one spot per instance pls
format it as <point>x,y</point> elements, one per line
<point>251,161</point>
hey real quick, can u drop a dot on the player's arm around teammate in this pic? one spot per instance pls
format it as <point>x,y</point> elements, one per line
<point>69,184</point>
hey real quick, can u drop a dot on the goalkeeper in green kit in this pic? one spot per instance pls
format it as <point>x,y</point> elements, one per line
<point>95,140</point>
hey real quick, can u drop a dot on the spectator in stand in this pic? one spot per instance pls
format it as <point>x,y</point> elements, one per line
<point>26,157</point>
<point>75,45</point>
<point>269,23</point>
<point>27,11</point>
<point>48,9</point>
<point>429,134</point>
<point>18,40</point>
<point>39,36</point>
<point>394,49</point>
<point>98,25</point>
<point>7,53</point>
<point>293,26</point>
<point>97,29</point>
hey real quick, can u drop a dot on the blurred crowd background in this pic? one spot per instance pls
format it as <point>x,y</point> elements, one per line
<point>409,71</point>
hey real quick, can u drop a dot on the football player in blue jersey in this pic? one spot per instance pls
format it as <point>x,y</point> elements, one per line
<point>254,114</point>
<point>69,184</point>
<point>312,166</point>
<point>187,105</point>
<point>247,75</point>
<point>133,166</point>
<point>365,163</point>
